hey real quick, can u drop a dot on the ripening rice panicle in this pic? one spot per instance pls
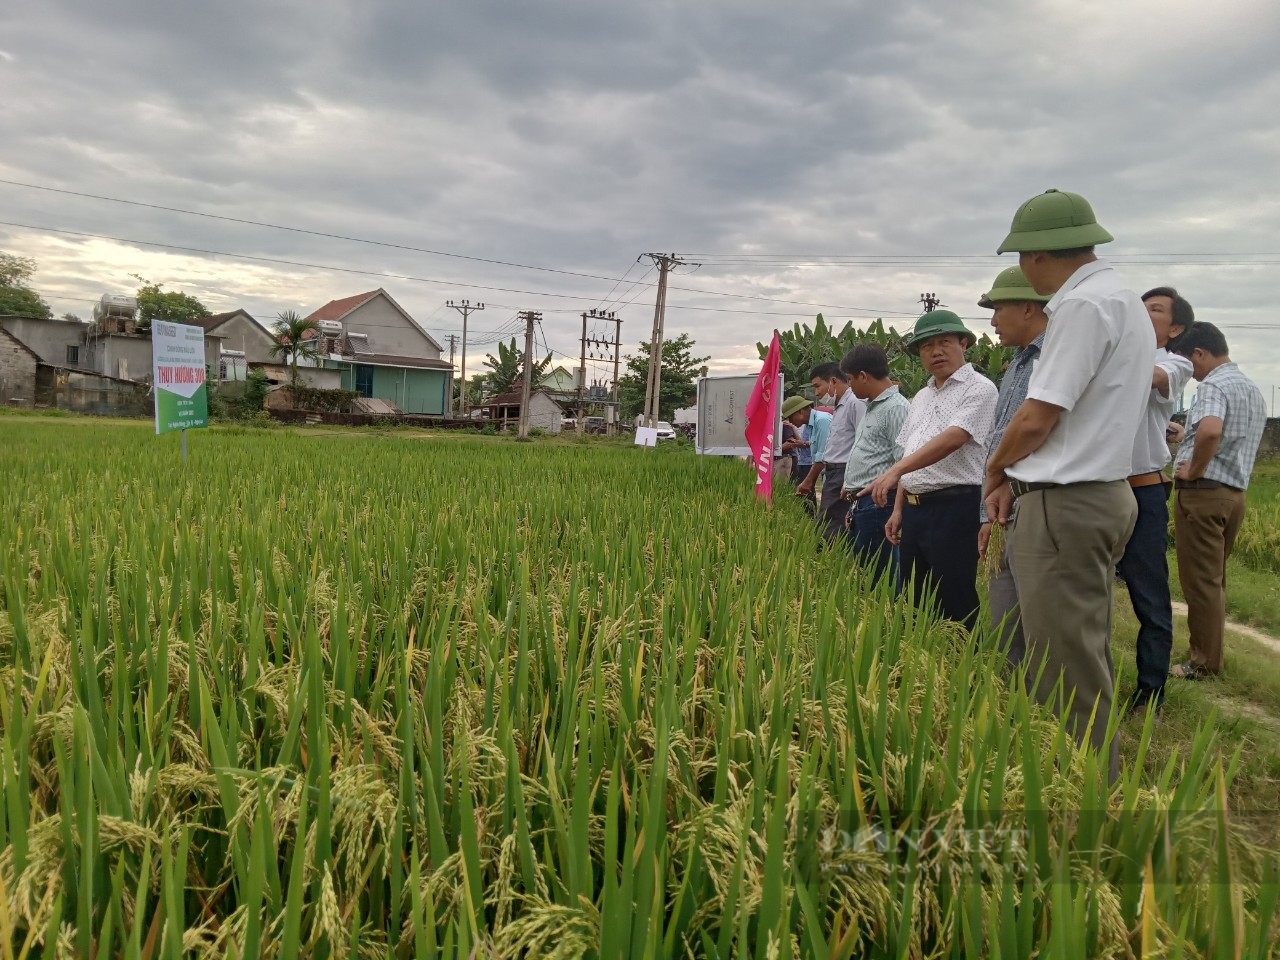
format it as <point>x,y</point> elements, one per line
<point>368,696</point>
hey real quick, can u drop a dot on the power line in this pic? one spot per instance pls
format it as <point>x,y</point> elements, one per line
<point>870,311</point>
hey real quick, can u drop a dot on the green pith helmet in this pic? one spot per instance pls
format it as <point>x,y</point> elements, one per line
<point>933,323</point>
<point>1054,220</point>
<point>793,404</point>
<point>1011,284</point>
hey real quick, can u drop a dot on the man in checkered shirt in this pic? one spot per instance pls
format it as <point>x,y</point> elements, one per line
<point>1211,474</point>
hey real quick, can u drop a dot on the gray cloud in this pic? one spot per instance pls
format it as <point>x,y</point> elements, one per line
<point>580,134</point>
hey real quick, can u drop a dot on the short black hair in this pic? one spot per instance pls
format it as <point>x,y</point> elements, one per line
<point>827,371</point>
<point>1202,336</point>
<point>1070,254</point>
<point>1183,315</point>
<point>868,358</point>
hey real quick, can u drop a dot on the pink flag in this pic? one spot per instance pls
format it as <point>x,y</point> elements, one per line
<point>762,416</point>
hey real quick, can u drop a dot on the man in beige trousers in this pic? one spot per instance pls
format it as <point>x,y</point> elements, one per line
<point>1224,430</point>
<point>1066,455</point>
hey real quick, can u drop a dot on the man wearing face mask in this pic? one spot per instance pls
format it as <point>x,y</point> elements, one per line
<point>831,388</point>
<point>936,515</point>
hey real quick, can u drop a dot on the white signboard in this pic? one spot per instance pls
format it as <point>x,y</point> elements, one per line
<point>722,415</point>
<point>646,436</point>
<point>177,376</point>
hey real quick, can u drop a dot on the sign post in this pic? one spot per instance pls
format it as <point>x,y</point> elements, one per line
<point>722,416</point>
<point>178,378</point>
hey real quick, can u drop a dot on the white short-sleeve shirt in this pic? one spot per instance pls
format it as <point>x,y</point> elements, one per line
<point>1099,351</point>
<point>967,400</point>
<point>1150,448</point>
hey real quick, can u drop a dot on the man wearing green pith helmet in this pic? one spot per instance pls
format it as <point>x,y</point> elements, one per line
<point>1066,455</point>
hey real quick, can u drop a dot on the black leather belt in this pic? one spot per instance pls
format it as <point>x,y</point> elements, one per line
<point>946,493</point>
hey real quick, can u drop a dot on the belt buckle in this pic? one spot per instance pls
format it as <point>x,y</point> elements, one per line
<point>913,499</point>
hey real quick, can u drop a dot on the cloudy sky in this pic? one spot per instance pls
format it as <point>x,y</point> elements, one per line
<point>845,154</point>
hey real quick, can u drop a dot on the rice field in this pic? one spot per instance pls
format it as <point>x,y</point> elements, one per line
<point>382,696</point>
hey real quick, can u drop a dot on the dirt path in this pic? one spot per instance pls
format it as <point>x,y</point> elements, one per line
<point>1268,641</point>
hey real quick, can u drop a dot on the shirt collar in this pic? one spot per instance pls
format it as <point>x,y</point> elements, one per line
<point>1220,369</point>
<point>1073,281</point>
<point>884,395</point>
<point>1031,350</point>
<point>964,373</point>
<point>847,395</point>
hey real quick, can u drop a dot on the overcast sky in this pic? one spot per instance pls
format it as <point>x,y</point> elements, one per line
<point>579,135</point>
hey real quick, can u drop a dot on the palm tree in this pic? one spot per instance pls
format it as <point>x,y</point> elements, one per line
<point>295,337</point>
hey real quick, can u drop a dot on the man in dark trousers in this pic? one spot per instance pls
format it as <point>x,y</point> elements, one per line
<point>1145,565</point>
<point>875,450</point>
<point>939,478</point>
<point>831,387</point>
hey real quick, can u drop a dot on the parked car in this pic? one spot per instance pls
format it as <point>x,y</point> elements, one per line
<point>665,431</point>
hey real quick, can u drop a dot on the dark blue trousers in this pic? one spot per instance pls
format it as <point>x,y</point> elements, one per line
<point>870,546</point>
<point>939,549</point>
<point>1145,570</point>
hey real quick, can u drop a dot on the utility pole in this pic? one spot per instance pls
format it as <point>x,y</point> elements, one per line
<point>448,410</point>
<point>617,357</point>
<point>664,262</point>
<point>530,317</point>
<point>466,308</point>
<point>930,301</point>
<point>582,376</point>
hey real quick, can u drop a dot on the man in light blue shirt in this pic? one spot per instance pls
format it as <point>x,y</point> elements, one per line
<point>799,412</point>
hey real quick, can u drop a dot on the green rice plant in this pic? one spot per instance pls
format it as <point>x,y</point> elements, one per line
<point>384,696</point>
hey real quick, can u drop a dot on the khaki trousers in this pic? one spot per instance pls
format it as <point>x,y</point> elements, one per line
<point>1068,542</point>
<point>1002,592</point>
<point>1205,524</point>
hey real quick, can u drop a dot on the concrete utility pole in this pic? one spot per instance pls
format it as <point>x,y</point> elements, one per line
<point>448,410</point>
<point>582,377</point>
<point>930,301</point>
<point>466,308</point>
<point>664,262</point>
<point>530,317</point>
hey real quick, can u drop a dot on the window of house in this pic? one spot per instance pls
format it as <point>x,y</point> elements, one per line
<point>73,355</point>
<point>364,380</point>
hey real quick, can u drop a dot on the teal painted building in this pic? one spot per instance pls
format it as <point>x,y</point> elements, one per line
<point>413,385</point>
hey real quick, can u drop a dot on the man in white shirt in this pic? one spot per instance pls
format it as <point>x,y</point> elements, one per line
<point>1066,455</point>
<point>830,386</point>
<point>1145,565</point>
<point>935,517</point>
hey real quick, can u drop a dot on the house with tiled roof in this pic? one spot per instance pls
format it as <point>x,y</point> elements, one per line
<point>245,344</point>
<point>382,352</point>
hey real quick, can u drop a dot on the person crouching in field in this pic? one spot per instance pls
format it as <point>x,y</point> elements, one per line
<point>1211,474</point>
<point>939,478</point>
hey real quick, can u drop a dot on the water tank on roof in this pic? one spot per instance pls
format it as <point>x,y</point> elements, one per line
<point>329,328</point>
<point>116,306</point>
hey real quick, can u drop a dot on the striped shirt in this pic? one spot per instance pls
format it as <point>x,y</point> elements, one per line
<point>1229,395</point>
<point>875,448</point>
<point>1013,390</point>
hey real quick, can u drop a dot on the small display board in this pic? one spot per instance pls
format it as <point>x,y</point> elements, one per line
<point>722,415</point>
<point>646,436</point>
<point>177,375</point>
